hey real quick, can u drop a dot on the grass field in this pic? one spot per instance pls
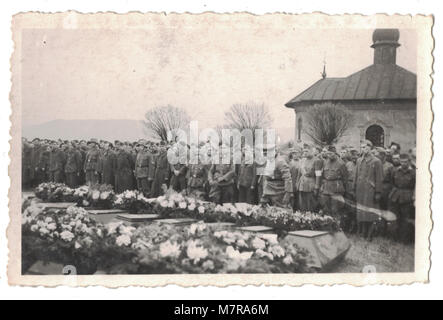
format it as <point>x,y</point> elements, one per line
<point>384,254</point>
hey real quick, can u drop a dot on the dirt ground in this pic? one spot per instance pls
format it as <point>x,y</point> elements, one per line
<point>384,254</point>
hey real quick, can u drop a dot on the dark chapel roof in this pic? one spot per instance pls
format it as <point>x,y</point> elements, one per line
<point>380,81</point>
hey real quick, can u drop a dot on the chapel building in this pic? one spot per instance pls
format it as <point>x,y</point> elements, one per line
<point>382,98</point>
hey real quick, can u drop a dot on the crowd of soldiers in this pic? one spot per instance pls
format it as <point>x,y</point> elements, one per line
<point>356,185</point>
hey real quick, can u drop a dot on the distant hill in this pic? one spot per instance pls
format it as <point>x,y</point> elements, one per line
<point>126,130</point>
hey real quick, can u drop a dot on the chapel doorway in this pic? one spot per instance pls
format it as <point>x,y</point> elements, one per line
<point>376,135</point>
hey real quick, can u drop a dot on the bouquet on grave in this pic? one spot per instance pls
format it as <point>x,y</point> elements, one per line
<point>54,192</point>
<point>202,249</point>
<point>132,200</point>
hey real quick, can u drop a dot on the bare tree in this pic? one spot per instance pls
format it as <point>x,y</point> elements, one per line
<point>327,123</point>
<point>161,120</point>
<point>252,116</point>
<point>248,116</point>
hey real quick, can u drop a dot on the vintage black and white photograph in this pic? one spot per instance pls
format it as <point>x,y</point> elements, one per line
<point>221,145</point>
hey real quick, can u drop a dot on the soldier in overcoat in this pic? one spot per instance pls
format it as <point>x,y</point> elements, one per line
<point>57,160</point>
<point>401,198</point>
<point>333,182</point>
<point>247,177</point>
<point>73,166</point>
<point>368,188</point>
<point>221,178</point>
<point>106,165</point>
<point>123,169</point>
<point>278,190</point>
<point>162,172</point>
<point>142,163</point>
<point>91,165</point>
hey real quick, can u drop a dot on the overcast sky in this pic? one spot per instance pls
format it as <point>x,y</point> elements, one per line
<point>120,74</point>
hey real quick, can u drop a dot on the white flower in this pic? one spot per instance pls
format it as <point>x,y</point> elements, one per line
<point>113,227</point>
<point>201,209</point>
<point>127,230</point>
<point>196,227</point>
<point>104,195</point>
<point>164,204</point>
<point>241,243</point>
<point>271,238</point>
<point>288,260</point>
<point>77,245</point>
<point>123,240</point>
<point>100,233</point>
<point>182,205</point>
<point>52,227</point>
<point>220,234</point>
<point>196,252</point>
<point>208,265</point>
<point>48,220</point>
<point>67,236</point>
<point>34,228</point>
<point>191,206</point>
<point>236,255</point>
<point>44,231</point>
<point>278,251</point>
<point>171,204</point>
<point>258,243</point>
<point>168,249</point>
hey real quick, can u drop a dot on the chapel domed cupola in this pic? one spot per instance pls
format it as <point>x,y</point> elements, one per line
<point>385,45</point>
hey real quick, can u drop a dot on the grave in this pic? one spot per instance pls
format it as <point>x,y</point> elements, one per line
<point>98,212</point>
<point>257,229</point>
<point>325,248</point>
<point>137,217</point>
<point>221,225</point>
<point>57,205</point>
<point>177,222</point>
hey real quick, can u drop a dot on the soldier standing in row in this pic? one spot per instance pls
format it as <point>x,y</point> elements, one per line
<point>294,167</point>
<point>197,176</point>
<point>388,169</point>
<point>179,170</point>
<point>91,165</point>
<point>278,189</point>
<point>162,172</point>
<point>57,162</point>
<point>106,166</point>
<point>73,166</point>
<point>306,181</point>
<point>247,177</point>
<point>221,178</point>
<point>334,178</point>
<point>141,172</point>
<point>401,198</point>
<point>368,188</point>
<point>42,165</point>
<point>123,169</point>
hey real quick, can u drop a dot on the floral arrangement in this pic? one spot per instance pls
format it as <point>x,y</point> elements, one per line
<point>81,196</point>
<point>54,192</point>
<point>101,196</point>
<point>68,238</point>
<point>133,201</point>
<point>176,205</point>
<point>201,249</point>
